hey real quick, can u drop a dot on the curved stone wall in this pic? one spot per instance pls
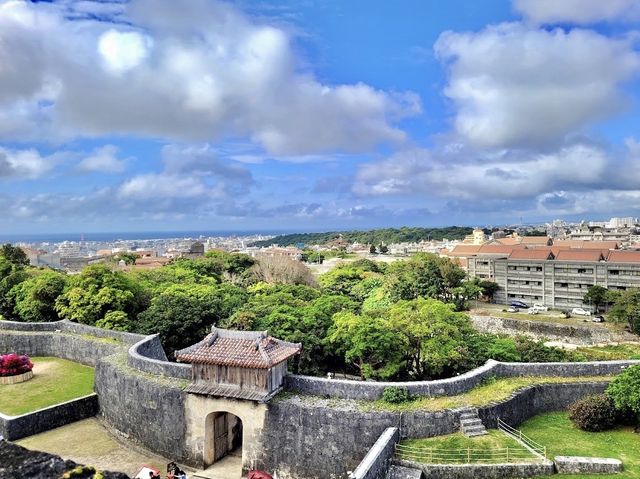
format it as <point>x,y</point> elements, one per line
<point>148,355</point>
<point>372,390</point>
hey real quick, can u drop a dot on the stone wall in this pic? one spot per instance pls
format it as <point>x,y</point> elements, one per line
<point>17,427</point>
<point>578,335</point>
<point>143,407</point>
<point>148,355</point>
<point>376,463</point>
<point>372,390</point>
<point>480,471</point>
<point>313,438</point>
<point>587,465</point>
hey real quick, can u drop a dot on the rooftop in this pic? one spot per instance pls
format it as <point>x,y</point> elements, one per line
<point>243,349</point>
<point>537,254</point>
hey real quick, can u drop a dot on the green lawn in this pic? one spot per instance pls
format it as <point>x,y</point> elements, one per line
<point>54,381</point>
<point>610,353</point>
<point>456,448</point>
<point>555,431</point>
<point>496,390</point>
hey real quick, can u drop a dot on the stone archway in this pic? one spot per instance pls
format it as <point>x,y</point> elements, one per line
<point>200,434</point>
<point>223,436</point>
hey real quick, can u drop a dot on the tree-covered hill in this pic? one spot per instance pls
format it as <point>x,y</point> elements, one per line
<point>386,236</point>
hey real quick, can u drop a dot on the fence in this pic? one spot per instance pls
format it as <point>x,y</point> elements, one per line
<point>464,456</point>
<point>526,441</point>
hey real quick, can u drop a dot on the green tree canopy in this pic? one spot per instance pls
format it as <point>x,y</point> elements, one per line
<point>14,254</point>
<point>626,309</point>
<point>35,298</point>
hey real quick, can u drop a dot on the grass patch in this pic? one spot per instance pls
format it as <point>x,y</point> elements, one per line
<point>54,381</point>
<point>493,390</point>
<point>611,353</point>
<point>555,431</point>
<point>457,448</point>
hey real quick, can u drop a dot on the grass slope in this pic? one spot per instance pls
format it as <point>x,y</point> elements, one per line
<point>555,431</point>
<point>495,390</point>
<point>452,448</point>
<point>54,381</point>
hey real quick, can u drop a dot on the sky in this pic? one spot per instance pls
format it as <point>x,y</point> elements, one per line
<point>150,115</point>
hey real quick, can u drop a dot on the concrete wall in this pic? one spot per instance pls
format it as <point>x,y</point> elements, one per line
<point>372,390</point>
<point>376,463</point>
<point>480,471</point>
<point>17,427</point>
<point>578,335</point>
<point>587,465</point>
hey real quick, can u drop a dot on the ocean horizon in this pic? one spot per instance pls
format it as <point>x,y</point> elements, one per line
<point>128,235</point>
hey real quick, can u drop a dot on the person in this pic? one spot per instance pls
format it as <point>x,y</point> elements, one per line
<point>172,468</point>
<point>180,474</point>
<point>154,476</point>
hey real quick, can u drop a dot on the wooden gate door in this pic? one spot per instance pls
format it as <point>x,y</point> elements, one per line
<point>221,436</point>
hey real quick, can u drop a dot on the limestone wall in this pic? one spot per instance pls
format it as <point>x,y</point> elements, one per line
<point>376,463</point>
<point>578,335</point>
<point>372,390</point>
<point>17,427</point>
<point>480,471</point>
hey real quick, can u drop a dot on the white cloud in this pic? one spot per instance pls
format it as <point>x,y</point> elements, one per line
<point>516,175</point>
<point>122,51</point>
<point>161,186</point>
<point>513,86</point>
<point>578,11</point>
<point>104,160</point>
<point>25,163</point>
<point>193,70</point>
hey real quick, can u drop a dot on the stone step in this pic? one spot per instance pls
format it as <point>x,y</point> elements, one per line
<point>470,421</point>
<point>475,427</point>
<point>401,472</point>
<point>467,415</point>
<point>477,433</point>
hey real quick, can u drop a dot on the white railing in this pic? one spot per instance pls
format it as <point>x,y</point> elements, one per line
<point>523,439</point>
<point>464,456</point>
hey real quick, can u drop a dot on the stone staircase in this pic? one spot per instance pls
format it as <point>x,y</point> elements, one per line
<point>470,423</point>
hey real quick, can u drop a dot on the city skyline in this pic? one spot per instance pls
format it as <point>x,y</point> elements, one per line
<point>315,116</point>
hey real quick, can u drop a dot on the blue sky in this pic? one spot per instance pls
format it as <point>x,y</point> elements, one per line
<point>316,115</point>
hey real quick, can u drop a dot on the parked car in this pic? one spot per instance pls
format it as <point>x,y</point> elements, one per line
<point>519,304</point>
<point>598,319</point>
<point>513,309</point>
<point>533,310</point>
<point>540,307</point>
<point>580,312</point>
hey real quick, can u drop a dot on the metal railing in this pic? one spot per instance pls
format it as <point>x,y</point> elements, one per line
<point>464,456</point>
<point>523,439</point>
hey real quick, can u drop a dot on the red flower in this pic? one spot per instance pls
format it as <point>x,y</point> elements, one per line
<point>13,364</point>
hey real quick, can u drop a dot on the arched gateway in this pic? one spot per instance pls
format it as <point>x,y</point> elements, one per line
<point>234,373</point>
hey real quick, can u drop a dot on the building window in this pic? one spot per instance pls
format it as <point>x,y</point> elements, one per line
<point>614,272</point>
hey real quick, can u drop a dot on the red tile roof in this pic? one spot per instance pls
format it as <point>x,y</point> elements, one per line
<point>463,250</point>
<point>536,240</point>
<point>580,255</point>
<point>244,349</point>
<point>535,253</point>
<point>498,249</point>
<point>584,244</point>
<point>623,256</point>
<point>508,241</point>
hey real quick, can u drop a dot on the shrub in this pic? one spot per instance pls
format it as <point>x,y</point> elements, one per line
<point>396,395</point>
<point>624,390</point>
<point>593,413</point>
<point>14,364</point>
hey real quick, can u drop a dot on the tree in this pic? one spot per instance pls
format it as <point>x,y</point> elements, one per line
<point>384,249</point>
<point>434,333</point>
<point>372,249</point>
<point>97,291</point>
<point>14,254</point>
<point>10,276</point>
<point>626,309</point>
<point>624,390</point>
<point>280,269</point>
<point>489,289</point>
<point>184,314</point>
<point>369,343</point>
<point>35,298</point>
<point>128,258</point>
<point>596,295</point>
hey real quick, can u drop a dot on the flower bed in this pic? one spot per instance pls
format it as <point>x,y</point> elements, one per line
<point>14,365</point>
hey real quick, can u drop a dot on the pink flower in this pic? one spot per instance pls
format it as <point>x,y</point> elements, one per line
<point>13,364</point>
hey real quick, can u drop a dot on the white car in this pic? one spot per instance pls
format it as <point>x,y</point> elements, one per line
<point>580,312</point>
<point>533,310</point>
<point>540,307</point>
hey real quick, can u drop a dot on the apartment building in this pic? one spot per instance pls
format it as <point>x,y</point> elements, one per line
<point>558,277</point>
